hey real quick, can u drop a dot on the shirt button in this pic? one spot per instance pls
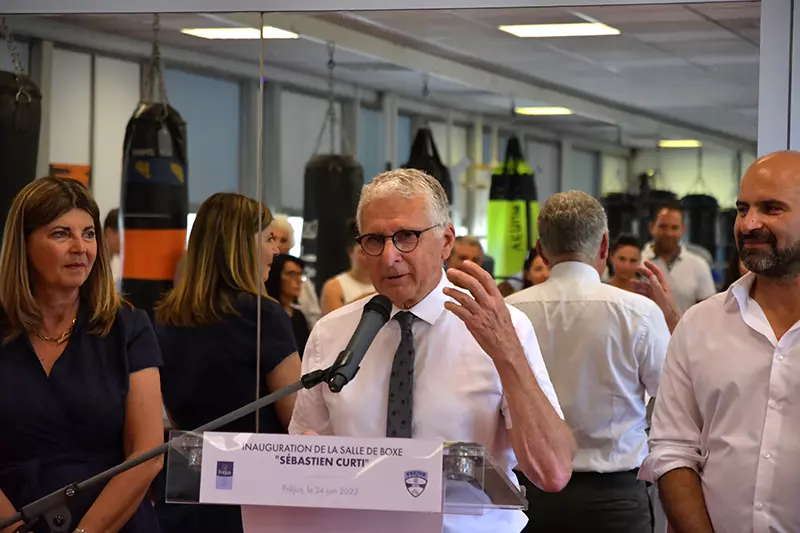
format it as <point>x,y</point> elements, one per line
<point>759,506</point>
<point>773,404</point>
<point>780,358</point>
<point>767,455</point>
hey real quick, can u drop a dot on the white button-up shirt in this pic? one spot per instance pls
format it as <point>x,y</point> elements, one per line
<point>604,348</point>
<point>689,277</point>
<point>458,395</point>
<point>729,408</point>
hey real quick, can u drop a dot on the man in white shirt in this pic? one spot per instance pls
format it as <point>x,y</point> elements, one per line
<point>724,443</point>
<point>475,371</point>
<point>604,348</point>
<point>688,274</point>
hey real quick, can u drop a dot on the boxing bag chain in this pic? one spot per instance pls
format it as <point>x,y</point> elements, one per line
<point>20,124</point>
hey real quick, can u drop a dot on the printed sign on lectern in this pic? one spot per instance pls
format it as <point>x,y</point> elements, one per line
<point>322,472</point>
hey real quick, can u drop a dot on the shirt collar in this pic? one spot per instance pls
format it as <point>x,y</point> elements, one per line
<point>740,290</point>
<point>651,251</point>
<point>575,269</point>
<point>431,307</point>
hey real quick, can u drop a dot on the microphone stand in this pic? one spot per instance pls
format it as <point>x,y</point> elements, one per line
<point>54,507</point>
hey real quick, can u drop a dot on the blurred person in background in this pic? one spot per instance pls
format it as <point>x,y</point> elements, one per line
<point>534,272</point>
<point>285,284</point>
<point>688,274</point>
<point>307,302</point>
<point>207,328</point>
<point>79,381</point>
<point>113,242</point>
<point>626,257</point>
<point>351,285</point>
<point>466,248</point>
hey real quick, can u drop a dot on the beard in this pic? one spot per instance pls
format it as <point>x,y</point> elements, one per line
<point>770,261</point>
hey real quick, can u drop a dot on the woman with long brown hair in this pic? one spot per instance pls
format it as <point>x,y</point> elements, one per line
<point>208,330</point>
<point>79,383</point>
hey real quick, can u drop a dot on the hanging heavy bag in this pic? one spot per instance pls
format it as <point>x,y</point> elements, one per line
<point>622,214</point>
<point>155,202</point>
<point>20,123</point>
<point>332,186</point>
<point>424,156</point>
<point>700,215</point>
<point>513,211</point>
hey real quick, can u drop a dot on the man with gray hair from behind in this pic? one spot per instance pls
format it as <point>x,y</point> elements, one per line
<point>454,363</point>
<point>604,348</point>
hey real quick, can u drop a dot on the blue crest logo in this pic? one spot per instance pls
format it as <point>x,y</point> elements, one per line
<point>224,475</point>
<point>416,481</point>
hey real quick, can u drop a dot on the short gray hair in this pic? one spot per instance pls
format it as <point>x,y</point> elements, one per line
<point>282,222</point>
<point>572,222</point>
<point>407,183</point>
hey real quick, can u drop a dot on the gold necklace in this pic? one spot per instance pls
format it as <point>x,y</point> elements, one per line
<point>60,339</point>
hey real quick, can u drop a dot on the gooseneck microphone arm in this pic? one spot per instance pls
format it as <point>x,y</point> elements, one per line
<point>55,506</point>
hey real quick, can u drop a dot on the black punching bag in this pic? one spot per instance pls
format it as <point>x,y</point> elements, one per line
<point>622,214</point>
<point>155,202</point>
<point>727,221</point>
<point>20,122</point>
<point>424,156</point>
<point>700,215</point>
<point>332,186</point>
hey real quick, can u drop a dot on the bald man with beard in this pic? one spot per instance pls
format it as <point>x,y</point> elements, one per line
<point>724,445</point>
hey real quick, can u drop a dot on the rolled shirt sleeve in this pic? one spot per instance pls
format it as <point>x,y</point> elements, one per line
<point>677,421</point>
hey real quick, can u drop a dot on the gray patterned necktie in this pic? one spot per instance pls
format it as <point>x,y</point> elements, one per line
<point>401,383</point>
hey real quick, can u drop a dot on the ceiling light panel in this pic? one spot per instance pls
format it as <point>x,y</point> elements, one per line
<point>577,29</point>
<point>239,33</point>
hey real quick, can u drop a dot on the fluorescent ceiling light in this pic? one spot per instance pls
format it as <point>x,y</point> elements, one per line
<point>679,143</point>
<point>543,111</point>
<point>578,29</point>
<point>239,33</point>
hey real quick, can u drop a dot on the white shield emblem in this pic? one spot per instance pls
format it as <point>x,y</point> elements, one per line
<point>416,481</point>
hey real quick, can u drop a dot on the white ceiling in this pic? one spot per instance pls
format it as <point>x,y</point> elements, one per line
<point>695,65</point>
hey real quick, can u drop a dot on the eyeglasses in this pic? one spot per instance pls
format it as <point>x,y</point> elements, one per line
<point>405,240</point>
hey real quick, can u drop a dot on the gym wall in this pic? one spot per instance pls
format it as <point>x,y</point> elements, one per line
<point>71,110</point>
<point>582,172</point>
<point>210,107</point>
<point>370,141</point>
<point>301,119</point>
<point>116,93</point>
<point>613,174</point>
<point>720,171</point>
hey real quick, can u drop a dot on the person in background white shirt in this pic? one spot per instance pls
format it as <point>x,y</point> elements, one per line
<point>478,374</point>
<point>604,348</point>
<point>307,303</point>
<point>688,274</point>
<point>724,443</point>
<point>113,242</point>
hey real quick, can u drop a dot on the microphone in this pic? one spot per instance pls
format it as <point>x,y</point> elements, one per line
<point>375,316</point>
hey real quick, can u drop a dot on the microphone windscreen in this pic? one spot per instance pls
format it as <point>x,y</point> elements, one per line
<point>381,305</point>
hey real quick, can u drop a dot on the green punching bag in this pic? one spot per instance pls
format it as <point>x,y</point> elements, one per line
<point>512,213</point>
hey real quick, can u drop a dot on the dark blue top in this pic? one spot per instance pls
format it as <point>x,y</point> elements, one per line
<point>210,371</point>
<point>68,427</point>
